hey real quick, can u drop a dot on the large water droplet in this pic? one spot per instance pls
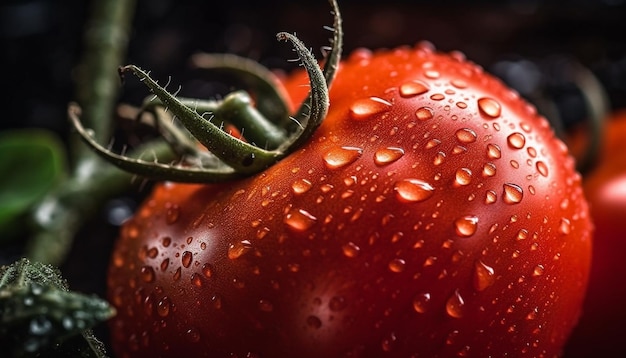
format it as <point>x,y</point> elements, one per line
<point>397,265</point>
<point>465,226</point>
<point>421,302</point>
<point>489,170</point>
<point>493,151</point>
<point>483,276</point>
<point>455,305</point>
<point>542,168</point>
<point>437,97</point>
<point>413,190</point>
<point>489,107</point>
<point>512,193</point>
<point>147,274</point>
<point>413,88</point>
<point>462,177</point>
<point>516,140</point>
<point>237,249</point>
<point>299,219</point>
<point>565,227</point>
<point>424,113</point>
<point>388,155</point>
<point>466,135</point>
<point>351,250</point>
<point>364,108</point>
<point>301,186</point>
<point>490,197</point>
<point>339,157</point>
<point>187,258</point>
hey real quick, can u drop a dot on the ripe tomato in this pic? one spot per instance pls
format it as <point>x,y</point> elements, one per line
<point>601,329</point>
<point>433,213</point>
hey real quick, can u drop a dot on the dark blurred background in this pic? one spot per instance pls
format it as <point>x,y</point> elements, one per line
<point>41,44</point>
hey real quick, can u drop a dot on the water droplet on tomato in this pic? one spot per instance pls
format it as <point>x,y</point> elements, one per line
<point>163,307</point>
<point>538,270</point>
<point>432,74</point>
<point>337,303</point>
<point>421,302</point>
<point>490,197</point>
<point>489,170</point>
<point>265,305</point>
<point>413,190</point>
<point>388,155</point>
<point>207,270</point>
<point>424,113</point>
<point>532,314</point>
<point>196,280</point>
<point>516,140</point>
<point>522,234</point>
<point>455,305</point>
<point>462,177</point>
<point>388,342</point>
<point>301,186</point>
<point>466,225</point>
<point>192,335</point>
<point>437,97</point>
<point>439,158</point>
<point>542,168</point>
<point>299,219</point>
<point>351,250</point>
<point>489,107</point>
<point>164,264</point>
<point>466,135</point>
<point>364,108</point>
<point>512,193</point>
<point>458,83</point>
<point>565,227</point>
<point>397,265</point>
<point>483,276</point>
<point>413,88</point>
<point>493,151</point>
<point>339,157</point>
<point>147,274</point>
<point>177,274</point>
<point>461,105</point>
<point>313,322</point>
<point>187,258</point>
<point>237,249</point>
<point>166,241</point>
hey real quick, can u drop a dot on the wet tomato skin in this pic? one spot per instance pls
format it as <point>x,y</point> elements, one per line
<point>433,213</point>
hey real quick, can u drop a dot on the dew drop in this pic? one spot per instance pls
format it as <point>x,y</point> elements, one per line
<point>339,157</point>
<point>187,258</point>
<point>147,274</point>
<point>163,307</point>
<point>172,214</point>
<point>313,322</point>
<point>483,276</point>
<point>439,158</point>
<point>454,305</point>
<point>490,197</point>
<point>542,168</point>
<point>413,88</point>
<point>565,227</point>
<point>265,305</point>
<point>466,225</point>
<point>397,265</point>
<point>237,249</point>
<point>164,264</point>
<point>424,113</point>
<point>413,190</point>
<point>166,241</point>
<point>462,177</point>
<point>493,151</point>
<point>516,140</point>
<point>538,270</point>
<point>351,250</point>
<point>193,335</point>
<point>388,155</point>
<point>389,342</point>
<point>512,193</point>
<point>301,186</point>
<point>489,170</point>
<point>364,108</point>
<point>196,280</point>
<point>489,107</point>
<point>461,105</point>
<point>432,74</point>
<point>437,97</point>
<point>458,83</point>
<point>207,270</point>
<point>177,274</point>
<point>421,302</point>
<point>299,219</point>
<point>466,135</point>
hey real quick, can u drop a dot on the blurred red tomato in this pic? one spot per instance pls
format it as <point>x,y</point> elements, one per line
<point>601,331</point>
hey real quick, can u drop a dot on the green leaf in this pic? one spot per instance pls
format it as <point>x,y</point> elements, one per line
<point>39,316</point>
<point>31,162</point>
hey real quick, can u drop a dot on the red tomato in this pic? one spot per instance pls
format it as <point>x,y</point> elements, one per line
<point>433,213</point>
<point>601,329</point>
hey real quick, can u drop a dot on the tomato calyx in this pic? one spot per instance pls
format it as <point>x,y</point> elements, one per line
<point>270,132</point>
